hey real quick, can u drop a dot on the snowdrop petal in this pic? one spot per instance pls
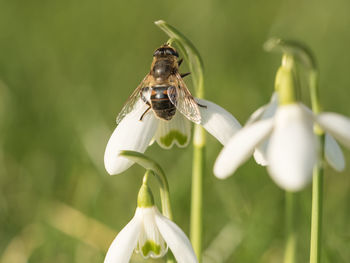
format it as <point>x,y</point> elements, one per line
<point>217,121</point>
<point>241,147</point>
<point>266,111</point>
<point>130,134</point>
<point>123,245</point>
<point>337,125</point>
<point>176,240</point>
<point>292,150</point>
<point>334,154</point>
<point>260,153</point>
<point>271,107</point>
<point>256,115</point>
<point>176,131</point>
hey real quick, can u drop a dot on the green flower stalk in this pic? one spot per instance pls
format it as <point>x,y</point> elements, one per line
<point>317,186</point>
<point>151,165</point>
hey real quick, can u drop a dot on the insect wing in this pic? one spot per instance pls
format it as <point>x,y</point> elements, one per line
<point>181,97</point>
<point>138,96</point>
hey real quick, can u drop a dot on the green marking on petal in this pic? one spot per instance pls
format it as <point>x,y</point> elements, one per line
<point>151,246</point>
<point>173,135</point>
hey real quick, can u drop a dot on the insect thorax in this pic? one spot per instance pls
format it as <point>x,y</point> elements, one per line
<point>163,68</point>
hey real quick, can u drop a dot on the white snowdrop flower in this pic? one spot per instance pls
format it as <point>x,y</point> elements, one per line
<point>150,234</point>
<point>291,151</point>
<point>333,153</point>
<point>135,134</point>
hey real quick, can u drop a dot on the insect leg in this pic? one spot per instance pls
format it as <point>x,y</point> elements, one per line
<point>180,61</point>
<point>200,105</point>
<point>143,114</point>
<point>185,74</point>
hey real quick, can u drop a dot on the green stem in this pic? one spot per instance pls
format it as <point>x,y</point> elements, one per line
<point>198,171</point>
<point>317,182</point>
<point>149,164</point>
<point>164,195</point>
<point>314,93</point>
<point>198,168</point>
<point>316,216</point>
<point>291,242</point>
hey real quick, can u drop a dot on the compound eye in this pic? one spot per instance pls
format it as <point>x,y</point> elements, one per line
<point>171,51</point>
<point>174,53</point>
<point>163,51</point>
<point>156,53</point>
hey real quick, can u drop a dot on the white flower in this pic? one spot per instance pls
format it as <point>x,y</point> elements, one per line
<point>333,152</point>
<point>136,135</point>
<point>150,233</point>
<point>292,149</point>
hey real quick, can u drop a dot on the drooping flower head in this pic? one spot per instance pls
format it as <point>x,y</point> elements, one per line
<point>282,138</point>
<point>149,233</point>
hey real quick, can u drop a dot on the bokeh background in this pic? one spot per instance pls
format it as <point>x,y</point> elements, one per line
<point>67,67</point>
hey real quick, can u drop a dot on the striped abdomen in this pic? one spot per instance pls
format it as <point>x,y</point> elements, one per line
<point>161,104</point>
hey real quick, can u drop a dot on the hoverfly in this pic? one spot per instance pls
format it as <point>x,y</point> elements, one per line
<point>163,89</point>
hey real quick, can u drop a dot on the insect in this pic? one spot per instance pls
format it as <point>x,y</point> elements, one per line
<point>163,89</point>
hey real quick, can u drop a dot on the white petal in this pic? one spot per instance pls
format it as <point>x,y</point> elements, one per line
<point>256,115</point>
<point>123,245</point>
<point>271,107</point>
<point>130,134</point>
<point>260,153</point>
<point>241,147</point>
<point>334,154</point>
<point>337,125</point>
<point>176,131</point>
<point>292,150</point>
<point>217,121</point>
<point>176,240</point>
<point>266,111</point>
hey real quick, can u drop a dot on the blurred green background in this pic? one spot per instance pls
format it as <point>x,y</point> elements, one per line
<point>67,67</point>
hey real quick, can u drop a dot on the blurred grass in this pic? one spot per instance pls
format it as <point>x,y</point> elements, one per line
<point>66,68</point>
